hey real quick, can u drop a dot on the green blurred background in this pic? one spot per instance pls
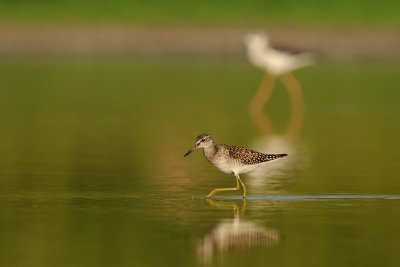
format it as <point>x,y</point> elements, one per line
<point>99,100</point>
<point>312,12</point>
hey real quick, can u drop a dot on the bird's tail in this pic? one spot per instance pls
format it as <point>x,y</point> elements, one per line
<point>274,156</point>
<point>305,59</point>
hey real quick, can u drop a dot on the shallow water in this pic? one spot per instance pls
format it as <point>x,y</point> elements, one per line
<point>92,170</point>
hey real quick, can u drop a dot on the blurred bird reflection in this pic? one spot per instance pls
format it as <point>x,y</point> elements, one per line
<point>232,235</point>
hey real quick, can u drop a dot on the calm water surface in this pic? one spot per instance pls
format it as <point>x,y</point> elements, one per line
<point>92,170</point>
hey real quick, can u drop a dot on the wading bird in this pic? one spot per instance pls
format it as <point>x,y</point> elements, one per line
<point>231,159</point>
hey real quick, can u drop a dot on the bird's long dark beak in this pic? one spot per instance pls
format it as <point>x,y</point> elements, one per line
<point>190,151</point>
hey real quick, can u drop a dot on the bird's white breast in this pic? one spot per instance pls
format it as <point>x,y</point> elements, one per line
<point>223,166</point>
<point>232,167</point>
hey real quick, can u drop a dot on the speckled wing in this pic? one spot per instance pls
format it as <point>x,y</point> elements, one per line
<point>248,156</point>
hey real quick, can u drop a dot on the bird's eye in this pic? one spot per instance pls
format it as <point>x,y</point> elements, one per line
<point>202,140</point>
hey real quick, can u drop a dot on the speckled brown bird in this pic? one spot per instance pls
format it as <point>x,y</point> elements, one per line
<point>231,159</point>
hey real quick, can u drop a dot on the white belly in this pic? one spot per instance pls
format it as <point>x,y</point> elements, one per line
<point>223,166</point>
<point>236,169</point>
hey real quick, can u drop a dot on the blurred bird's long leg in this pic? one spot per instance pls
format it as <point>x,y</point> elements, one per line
<point>263,123</point>
<point>296,99</point>
<point>216,190</point>
<point>258,101</point>
<point>263,93</point>
<point>244,187</point>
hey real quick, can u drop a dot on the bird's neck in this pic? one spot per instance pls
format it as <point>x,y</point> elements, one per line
<point>210,151</point>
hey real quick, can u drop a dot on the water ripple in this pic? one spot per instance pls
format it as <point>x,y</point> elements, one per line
<point>306,197</point>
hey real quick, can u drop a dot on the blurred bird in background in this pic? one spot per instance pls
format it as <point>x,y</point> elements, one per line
<point>278,65</point>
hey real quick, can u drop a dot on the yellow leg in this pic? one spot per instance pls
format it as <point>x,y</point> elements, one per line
<point>244,187</point>
<point>295,93</point>
<point>256,105</point>
<point>263,94</point>
<point>224,189</point>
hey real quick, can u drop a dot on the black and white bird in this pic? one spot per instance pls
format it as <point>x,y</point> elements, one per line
<point>274,61</point>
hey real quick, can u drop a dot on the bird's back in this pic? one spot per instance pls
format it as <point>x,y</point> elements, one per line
<point>248,156</point>
<point>236,159</point>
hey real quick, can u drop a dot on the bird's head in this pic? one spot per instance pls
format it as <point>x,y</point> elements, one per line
<point>202,141</point>
<point>256,41</point>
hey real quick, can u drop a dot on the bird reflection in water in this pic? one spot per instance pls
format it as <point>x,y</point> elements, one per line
<point>233,234</point>
<point>278,65</point>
